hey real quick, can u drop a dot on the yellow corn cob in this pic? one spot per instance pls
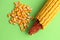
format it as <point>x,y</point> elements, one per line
<point>48,12</point>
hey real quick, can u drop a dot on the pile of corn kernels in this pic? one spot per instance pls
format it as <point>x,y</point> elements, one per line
<point>21,15</point>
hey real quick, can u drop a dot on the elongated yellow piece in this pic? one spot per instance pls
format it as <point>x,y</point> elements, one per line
<point>48,12</point>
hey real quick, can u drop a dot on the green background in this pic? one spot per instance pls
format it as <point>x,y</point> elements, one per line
<point>13,32</point>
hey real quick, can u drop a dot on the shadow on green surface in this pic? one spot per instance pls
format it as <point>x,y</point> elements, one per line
<point>35,13</point>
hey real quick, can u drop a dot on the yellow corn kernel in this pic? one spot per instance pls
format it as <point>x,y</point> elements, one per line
<point>16,9</point>
<point>13,14</point>
<point>10,21</point>
<point>25,26</point>
<point>48,12</point>
<point>28,20</point>
<point>17,4</point>
<point>22,28</point>
<point>18,14</point>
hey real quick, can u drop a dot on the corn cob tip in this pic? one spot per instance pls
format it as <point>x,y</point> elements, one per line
<point>36,27</point>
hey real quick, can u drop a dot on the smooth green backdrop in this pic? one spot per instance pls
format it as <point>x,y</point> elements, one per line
<point>12,32</point>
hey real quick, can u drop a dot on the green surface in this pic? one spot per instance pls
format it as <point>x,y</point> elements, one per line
<point>12,32</point>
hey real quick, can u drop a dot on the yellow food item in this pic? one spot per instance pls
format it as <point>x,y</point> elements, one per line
<point>48,12</point>
<point>20,15</point>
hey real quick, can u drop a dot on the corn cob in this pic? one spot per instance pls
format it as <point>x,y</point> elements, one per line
<point>46,15</point>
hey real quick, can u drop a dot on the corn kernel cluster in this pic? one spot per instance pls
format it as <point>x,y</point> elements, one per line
<point>21,15</point>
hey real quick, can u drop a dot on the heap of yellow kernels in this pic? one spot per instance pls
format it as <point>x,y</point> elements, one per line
<point>21,15</point>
